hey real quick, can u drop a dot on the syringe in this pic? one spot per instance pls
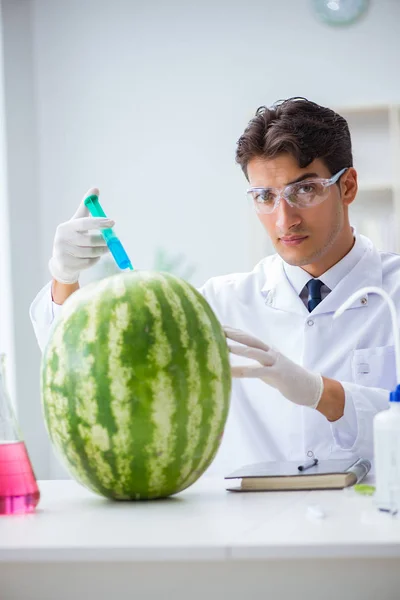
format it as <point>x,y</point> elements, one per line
<point>116,248</point>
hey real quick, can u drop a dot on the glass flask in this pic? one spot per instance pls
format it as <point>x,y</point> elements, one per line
<point>19,492</point>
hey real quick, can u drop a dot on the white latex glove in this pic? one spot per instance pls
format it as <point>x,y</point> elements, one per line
<point>77,245</point>
<point>293,381</point>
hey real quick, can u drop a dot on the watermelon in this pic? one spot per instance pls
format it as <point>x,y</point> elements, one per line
<point>135,384</point>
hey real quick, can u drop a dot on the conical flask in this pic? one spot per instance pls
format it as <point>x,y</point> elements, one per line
<point>19,492</point>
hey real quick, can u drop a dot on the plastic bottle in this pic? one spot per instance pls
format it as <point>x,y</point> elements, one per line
<point>387,455</point>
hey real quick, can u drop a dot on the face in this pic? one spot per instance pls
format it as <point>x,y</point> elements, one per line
<point>313,238</point>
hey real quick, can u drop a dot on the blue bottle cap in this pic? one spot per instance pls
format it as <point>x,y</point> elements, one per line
<point>395,395</point>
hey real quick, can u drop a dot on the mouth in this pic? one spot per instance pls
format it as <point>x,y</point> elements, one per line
<point>293,240</point>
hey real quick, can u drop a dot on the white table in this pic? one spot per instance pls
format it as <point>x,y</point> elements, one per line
<point>203,543</point>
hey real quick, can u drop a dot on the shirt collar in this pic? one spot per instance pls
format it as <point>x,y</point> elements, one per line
<point>298,277</point>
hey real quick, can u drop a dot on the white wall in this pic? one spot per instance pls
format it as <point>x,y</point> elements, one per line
<point>6,309</point>
<point>24,217</point>
<point>147,99</point>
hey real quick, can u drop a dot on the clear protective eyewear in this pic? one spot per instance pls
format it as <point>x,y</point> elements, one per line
<point>303,194</point>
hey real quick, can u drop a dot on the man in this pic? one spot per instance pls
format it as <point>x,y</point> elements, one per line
<point>305,384</point>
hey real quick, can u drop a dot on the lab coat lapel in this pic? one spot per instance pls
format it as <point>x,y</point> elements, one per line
<point>367,272</point>
<point>279,293</point>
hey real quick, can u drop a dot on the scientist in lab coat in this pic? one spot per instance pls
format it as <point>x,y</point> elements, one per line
<point>304,384</point>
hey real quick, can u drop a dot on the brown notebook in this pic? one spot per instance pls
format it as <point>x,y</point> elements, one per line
<point>327,474</point>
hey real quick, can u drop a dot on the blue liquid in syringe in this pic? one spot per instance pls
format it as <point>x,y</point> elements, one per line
<point>116,248</point>
<point>119,254</point>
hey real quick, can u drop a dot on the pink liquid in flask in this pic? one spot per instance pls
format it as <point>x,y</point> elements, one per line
<point>19,492</point>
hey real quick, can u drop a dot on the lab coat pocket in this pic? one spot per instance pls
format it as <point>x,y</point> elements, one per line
<point>375,367</point>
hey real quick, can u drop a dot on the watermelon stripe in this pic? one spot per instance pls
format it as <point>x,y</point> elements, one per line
<point>104,427</point>
<point>161,448</point>
<point>137,338</point>
<point>212,383</point>
<point>89,436</point>
<point>191,420</point>
<point>120,396</point>
<point>57,407</point>
<point>182,373</point>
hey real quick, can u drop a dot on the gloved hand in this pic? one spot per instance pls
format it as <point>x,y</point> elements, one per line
<point>77,246</point>
<point>293,381</point>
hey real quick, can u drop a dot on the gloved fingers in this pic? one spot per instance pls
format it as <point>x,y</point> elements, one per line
<point>82,252</point>
<point>85,263</point>
<point>261,356</point>
<point>85,239</point>
<point>89,223</point>
<point>237,335</point>
<point>251,372</point>
<point>82,210</point>
<point>80,264</point>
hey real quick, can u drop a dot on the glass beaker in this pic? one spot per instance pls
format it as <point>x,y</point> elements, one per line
<point>19,492</point>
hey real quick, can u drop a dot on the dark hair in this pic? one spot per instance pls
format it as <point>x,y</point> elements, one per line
<point>298,127</point>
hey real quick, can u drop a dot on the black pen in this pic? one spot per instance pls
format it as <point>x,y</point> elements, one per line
<point>308,465</point>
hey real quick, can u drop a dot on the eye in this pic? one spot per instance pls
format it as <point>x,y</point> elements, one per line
<point>264,197</point>
<point>306,188</point>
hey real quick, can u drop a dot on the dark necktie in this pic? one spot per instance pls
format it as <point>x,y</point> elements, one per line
<point>314,293</point>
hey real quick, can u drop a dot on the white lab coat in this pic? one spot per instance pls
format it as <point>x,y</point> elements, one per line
<point>357,350</point>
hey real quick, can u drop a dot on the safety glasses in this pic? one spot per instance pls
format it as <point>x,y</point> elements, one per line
<point>303,194</point>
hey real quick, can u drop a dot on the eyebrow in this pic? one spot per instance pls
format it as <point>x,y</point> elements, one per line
<point>304,177</point>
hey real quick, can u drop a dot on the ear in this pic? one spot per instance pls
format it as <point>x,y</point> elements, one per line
<point>348,186</point>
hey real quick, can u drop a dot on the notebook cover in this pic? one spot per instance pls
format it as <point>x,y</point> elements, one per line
<point>290,469</point>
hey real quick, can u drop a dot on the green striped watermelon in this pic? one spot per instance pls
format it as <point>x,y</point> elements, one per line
<point>136,385</point>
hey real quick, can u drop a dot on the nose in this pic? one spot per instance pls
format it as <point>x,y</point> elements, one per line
<point>286,216</point>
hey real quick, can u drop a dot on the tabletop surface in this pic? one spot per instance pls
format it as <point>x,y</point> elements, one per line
<point>204,522</point>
